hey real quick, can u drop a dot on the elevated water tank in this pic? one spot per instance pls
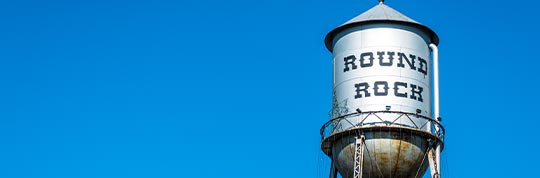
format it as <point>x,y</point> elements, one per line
<point>382,120</point>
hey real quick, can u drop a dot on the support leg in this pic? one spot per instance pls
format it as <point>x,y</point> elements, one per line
<point>434,163</point>
<point>359,156</point>
<point>333,170</point>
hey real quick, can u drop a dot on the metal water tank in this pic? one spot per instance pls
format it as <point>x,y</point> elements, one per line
<point>382,120</point>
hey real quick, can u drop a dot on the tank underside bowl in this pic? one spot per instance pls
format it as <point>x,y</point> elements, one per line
<point>388,152</point>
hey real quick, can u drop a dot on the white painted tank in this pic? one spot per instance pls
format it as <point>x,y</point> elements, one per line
<point>380,65</point>
<point>382,78</point>
<point>382,62</point>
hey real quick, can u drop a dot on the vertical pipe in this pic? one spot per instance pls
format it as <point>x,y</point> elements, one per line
<point>435,80</point>
<point>436,100</point>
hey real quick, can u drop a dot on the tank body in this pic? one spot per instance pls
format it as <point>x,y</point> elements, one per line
<point>382,82</point>
<point>381,65</point>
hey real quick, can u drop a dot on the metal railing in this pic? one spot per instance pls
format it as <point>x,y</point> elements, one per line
<point>371,119</point>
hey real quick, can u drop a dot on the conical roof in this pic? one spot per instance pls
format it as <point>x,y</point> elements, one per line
<point>381,13</point>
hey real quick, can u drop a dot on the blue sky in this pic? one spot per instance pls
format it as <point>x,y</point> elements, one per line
<point>200,88</point>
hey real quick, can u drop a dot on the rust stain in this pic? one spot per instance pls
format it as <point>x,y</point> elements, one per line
<point>394,153</point>
<point>398,158</point>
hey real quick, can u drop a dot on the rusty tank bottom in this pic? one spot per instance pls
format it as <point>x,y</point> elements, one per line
<point>388,152</point>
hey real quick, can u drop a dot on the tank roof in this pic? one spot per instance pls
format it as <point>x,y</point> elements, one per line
<point>381,13</point>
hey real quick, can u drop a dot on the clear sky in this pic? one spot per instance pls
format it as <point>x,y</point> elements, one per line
<point>237,88</point>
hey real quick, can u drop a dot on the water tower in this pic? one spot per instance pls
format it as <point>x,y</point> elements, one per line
<point>385,112</point>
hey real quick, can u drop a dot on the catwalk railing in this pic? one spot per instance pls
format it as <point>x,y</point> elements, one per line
<point>374,119</point>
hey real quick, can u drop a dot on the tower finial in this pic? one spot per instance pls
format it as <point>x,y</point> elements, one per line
<point>381,1</point>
